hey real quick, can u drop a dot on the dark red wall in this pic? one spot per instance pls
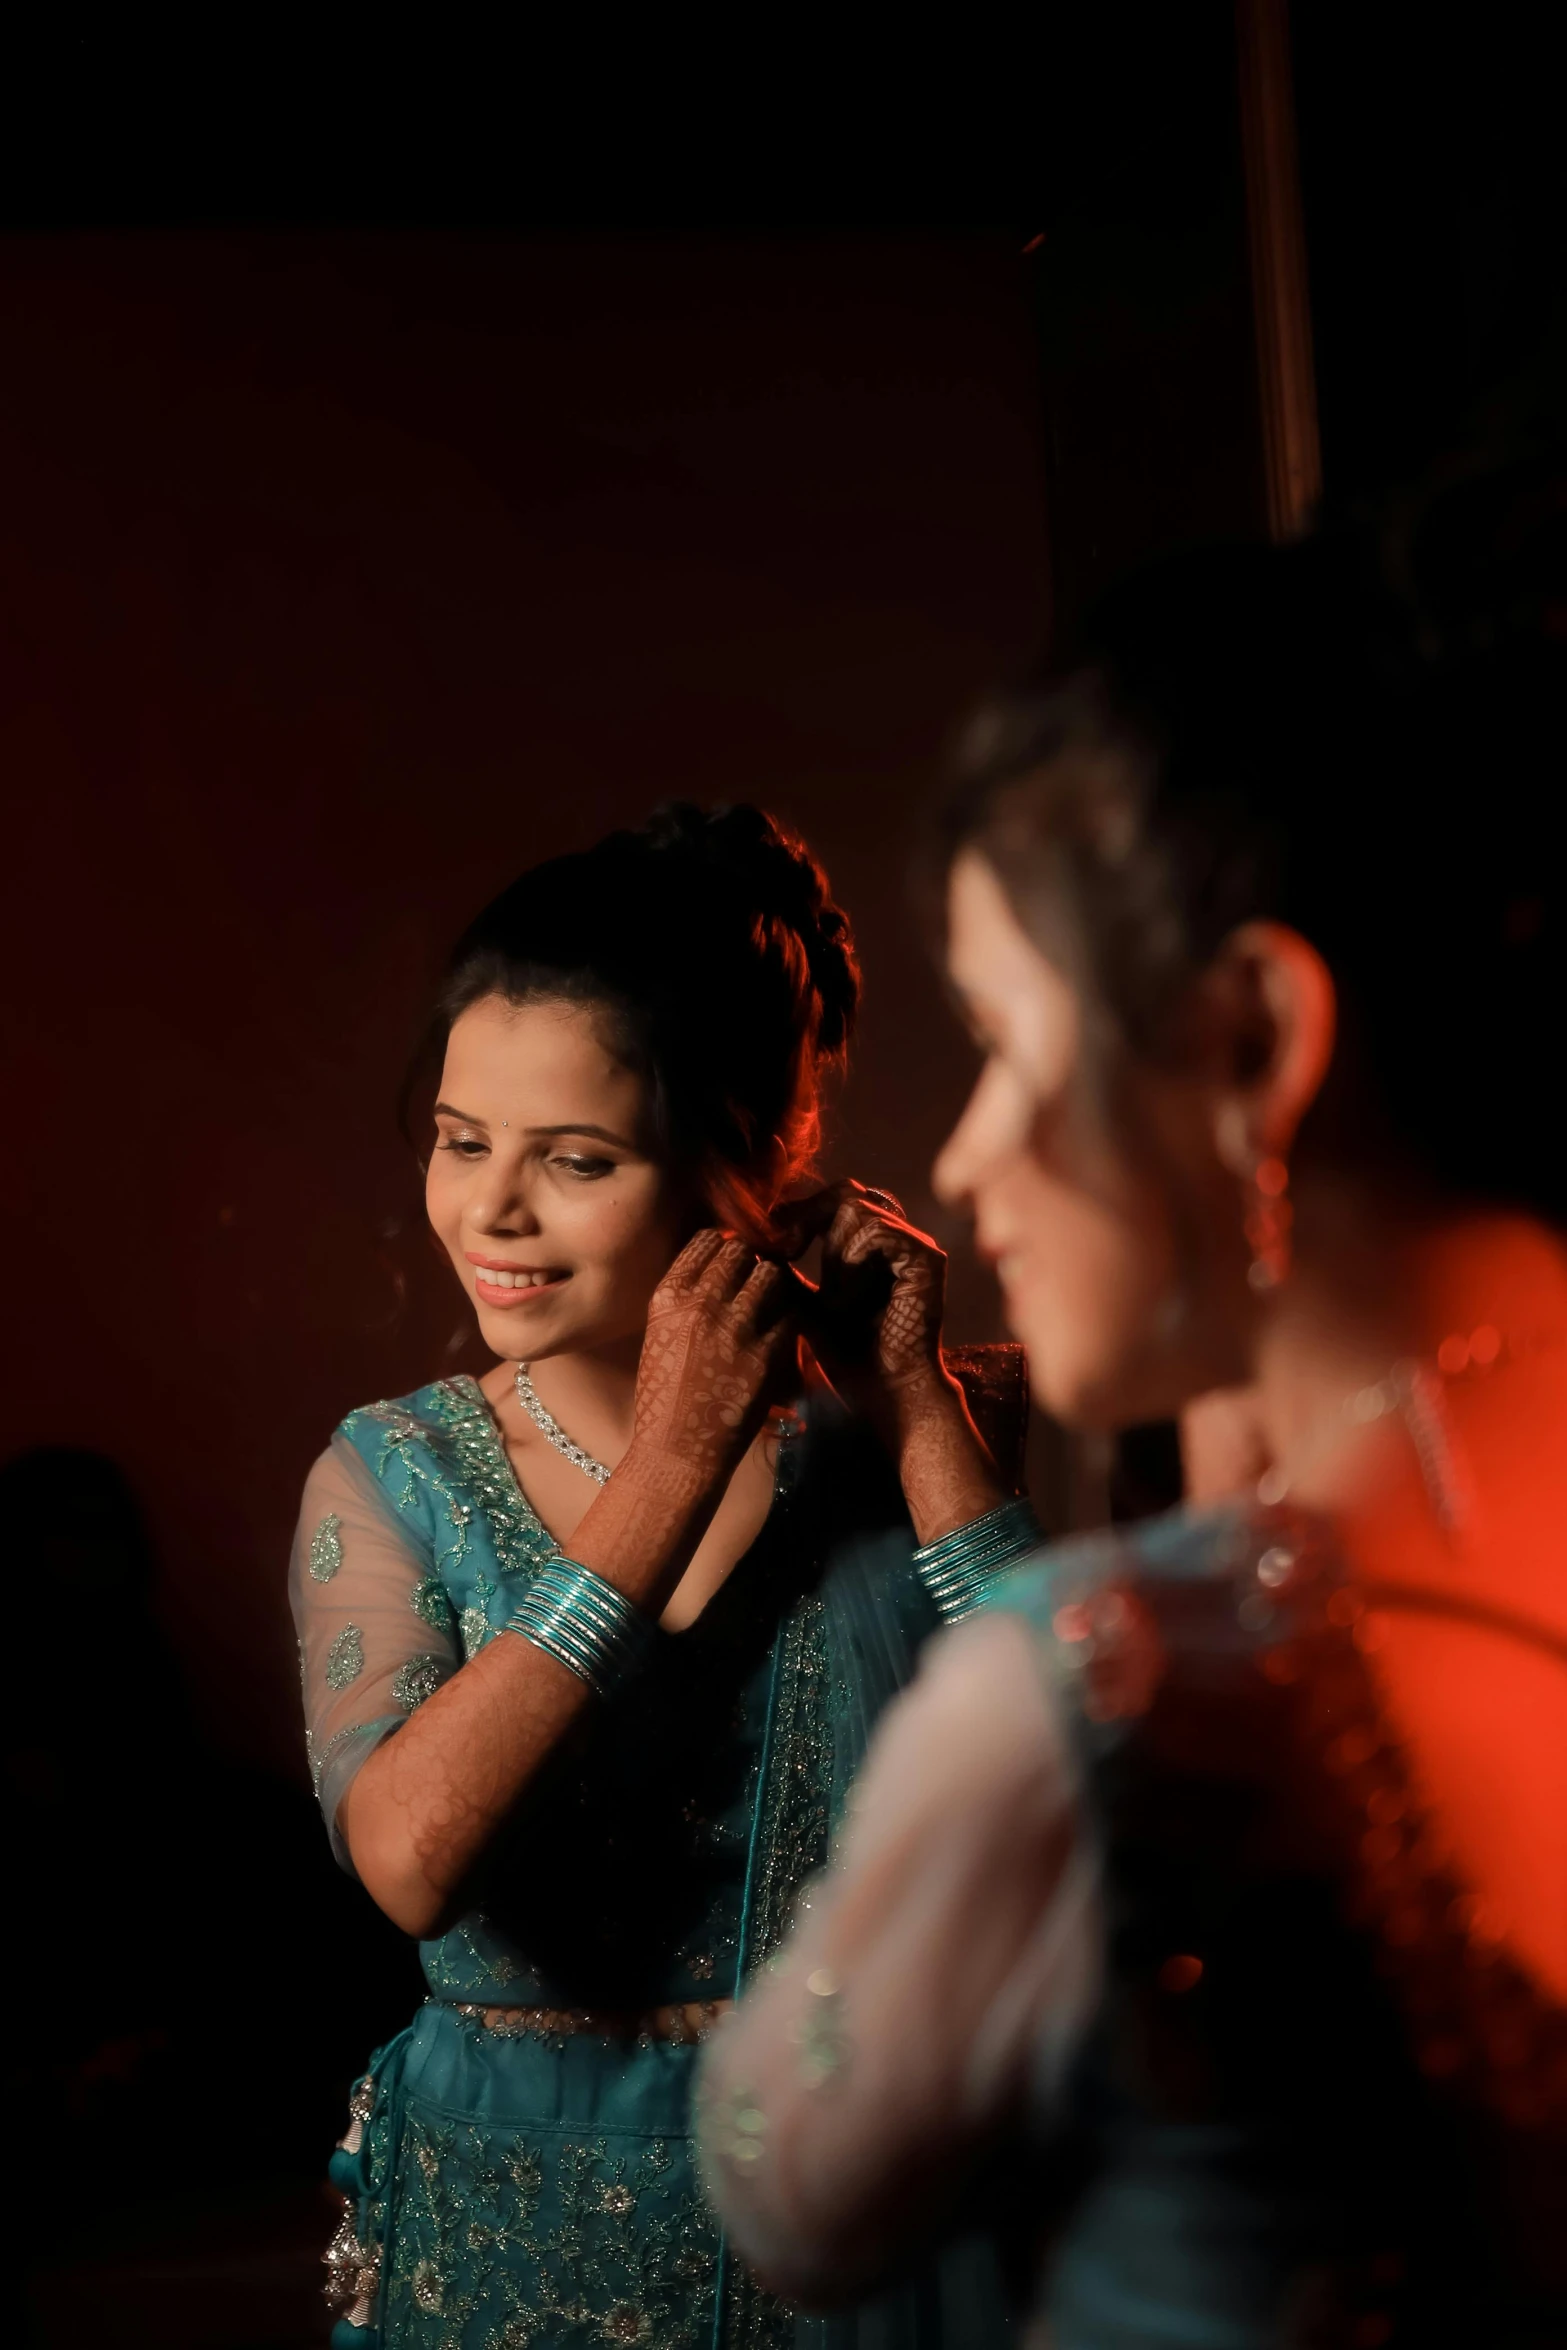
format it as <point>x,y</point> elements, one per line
<point>338,579</point>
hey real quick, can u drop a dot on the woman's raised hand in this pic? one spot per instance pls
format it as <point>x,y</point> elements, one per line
<point>875,1322</point>
<point>721,1346</point>
<point>875,1327</point>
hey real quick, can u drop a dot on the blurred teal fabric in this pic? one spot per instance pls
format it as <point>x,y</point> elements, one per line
<point>1248,2152</point>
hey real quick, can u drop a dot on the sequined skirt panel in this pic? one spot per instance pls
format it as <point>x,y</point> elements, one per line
<point>543,2193</point>
<point>539,2194</point>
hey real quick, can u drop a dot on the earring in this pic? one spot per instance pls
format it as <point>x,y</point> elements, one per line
<point>1268,1214</point>
<point>1268,1219</point>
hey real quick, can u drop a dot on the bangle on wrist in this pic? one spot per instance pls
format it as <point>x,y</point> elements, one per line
<point>959,1570</point>
<point>582,1621</point>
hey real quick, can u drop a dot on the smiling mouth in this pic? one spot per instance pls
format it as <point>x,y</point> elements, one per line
<point>513,1283</point>
<point>1003,1261</point>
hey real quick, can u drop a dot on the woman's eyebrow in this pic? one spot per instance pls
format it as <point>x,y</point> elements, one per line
<point>598,1133</point>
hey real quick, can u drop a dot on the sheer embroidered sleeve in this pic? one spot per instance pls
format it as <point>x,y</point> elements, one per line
<point>376,1631</point>
<point>940,1976</point>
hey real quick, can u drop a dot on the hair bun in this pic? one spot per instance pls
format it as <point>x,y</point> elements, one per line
<point>771,875</point>
<point>708,946</point>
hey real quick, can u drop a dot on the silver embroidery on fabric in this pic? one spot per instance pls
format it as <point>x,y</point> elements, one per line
<point>326,1548</point>
<point>430,1604</point>
<point>319,1756</point>
<point>458,1457</point>
<point>345,1659</point>
<point>456,1460</point>
<point>418,1679</point>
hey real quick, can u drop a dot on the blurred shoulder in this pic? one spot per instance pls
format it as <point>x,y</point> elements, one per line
<point>1201,1597</point>
<point>1209,1545</point>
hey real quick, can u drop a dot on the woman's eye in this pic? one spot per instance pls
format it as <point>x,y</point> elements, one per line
<point>464,1145</point>
<point>588,1169</point>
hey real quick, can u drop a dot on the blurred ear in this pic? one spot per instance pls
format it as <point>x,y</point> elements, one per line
<point>1278,1013</point>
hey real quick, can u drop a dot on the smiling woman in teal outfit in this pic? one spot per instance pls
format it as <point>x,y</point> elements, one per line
<point>593,1784</point>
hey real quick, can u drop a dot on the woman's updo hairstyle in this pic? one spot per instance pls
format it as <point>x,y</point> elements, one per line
<point>1363,736</point>
<point>726,977</point>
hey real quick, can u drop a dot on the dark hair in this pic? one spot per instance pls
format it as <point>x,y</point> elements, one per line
<point>709,941</point>
<point>1364,736</point>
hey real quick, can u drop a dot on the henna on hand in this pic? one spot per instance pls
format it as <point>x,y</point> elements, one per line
<point>427,1805</point>
<point>720,1347</point>
<point>720,1331</point>
<point>875,1321</point>
<point>875,1325</point>
<point>944,1465</point>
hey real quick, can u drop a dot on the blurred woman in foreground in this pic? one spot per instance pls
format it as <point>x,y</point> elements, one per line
<point>1221,1864</point>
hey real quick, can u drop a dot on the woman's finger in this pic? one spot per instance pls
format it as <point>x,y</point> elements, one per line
<point>769,1292</point>
<point>853,1216</point>
<point>861,1229</point>
<point>892,1223</point>
<point>726,1270</point>
<point>693,1259</point>
<point>805,1220</point>
<point>876,1240</point>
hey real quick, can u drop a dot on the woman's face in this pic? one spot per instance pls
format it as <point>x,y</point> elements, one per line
<point>543,1188</point>
<point>1120,1268</point>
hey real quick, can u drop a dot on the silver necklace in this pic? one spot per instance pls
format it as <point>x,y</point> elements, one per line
<point>1414,1391</point>
<point>1410,1392</point>
<point>552,1431</point>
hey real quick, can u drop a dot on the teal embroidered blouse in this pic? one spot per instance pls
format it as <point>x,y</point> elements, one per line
<point>509,2188</point>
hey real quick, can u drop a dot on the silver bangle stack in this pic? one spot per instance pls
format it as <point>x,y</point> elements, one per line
<point>582,1621</point>
<point>958,1570</point>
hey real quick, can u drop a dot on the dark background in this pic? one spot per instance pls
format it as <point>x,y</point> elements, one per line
<point>344,575</point>
<point>366,533</point>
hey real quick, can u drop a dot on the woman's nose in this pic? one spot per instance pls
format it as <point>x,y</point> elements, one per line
<point>952,1176</point>
<point>992,1128</point>
<point>502,1202</point>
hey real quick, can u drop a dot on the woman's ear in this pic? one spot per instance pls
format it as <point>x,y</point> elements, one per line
<point>1279,1009</point>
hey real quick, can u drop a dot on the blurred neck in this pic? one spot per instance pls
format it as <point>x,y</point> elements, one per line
<point>1375,1284</point>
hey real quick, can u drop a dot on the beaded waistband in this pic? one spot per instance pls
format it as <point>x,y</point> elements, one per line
<point>679,2025</point>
